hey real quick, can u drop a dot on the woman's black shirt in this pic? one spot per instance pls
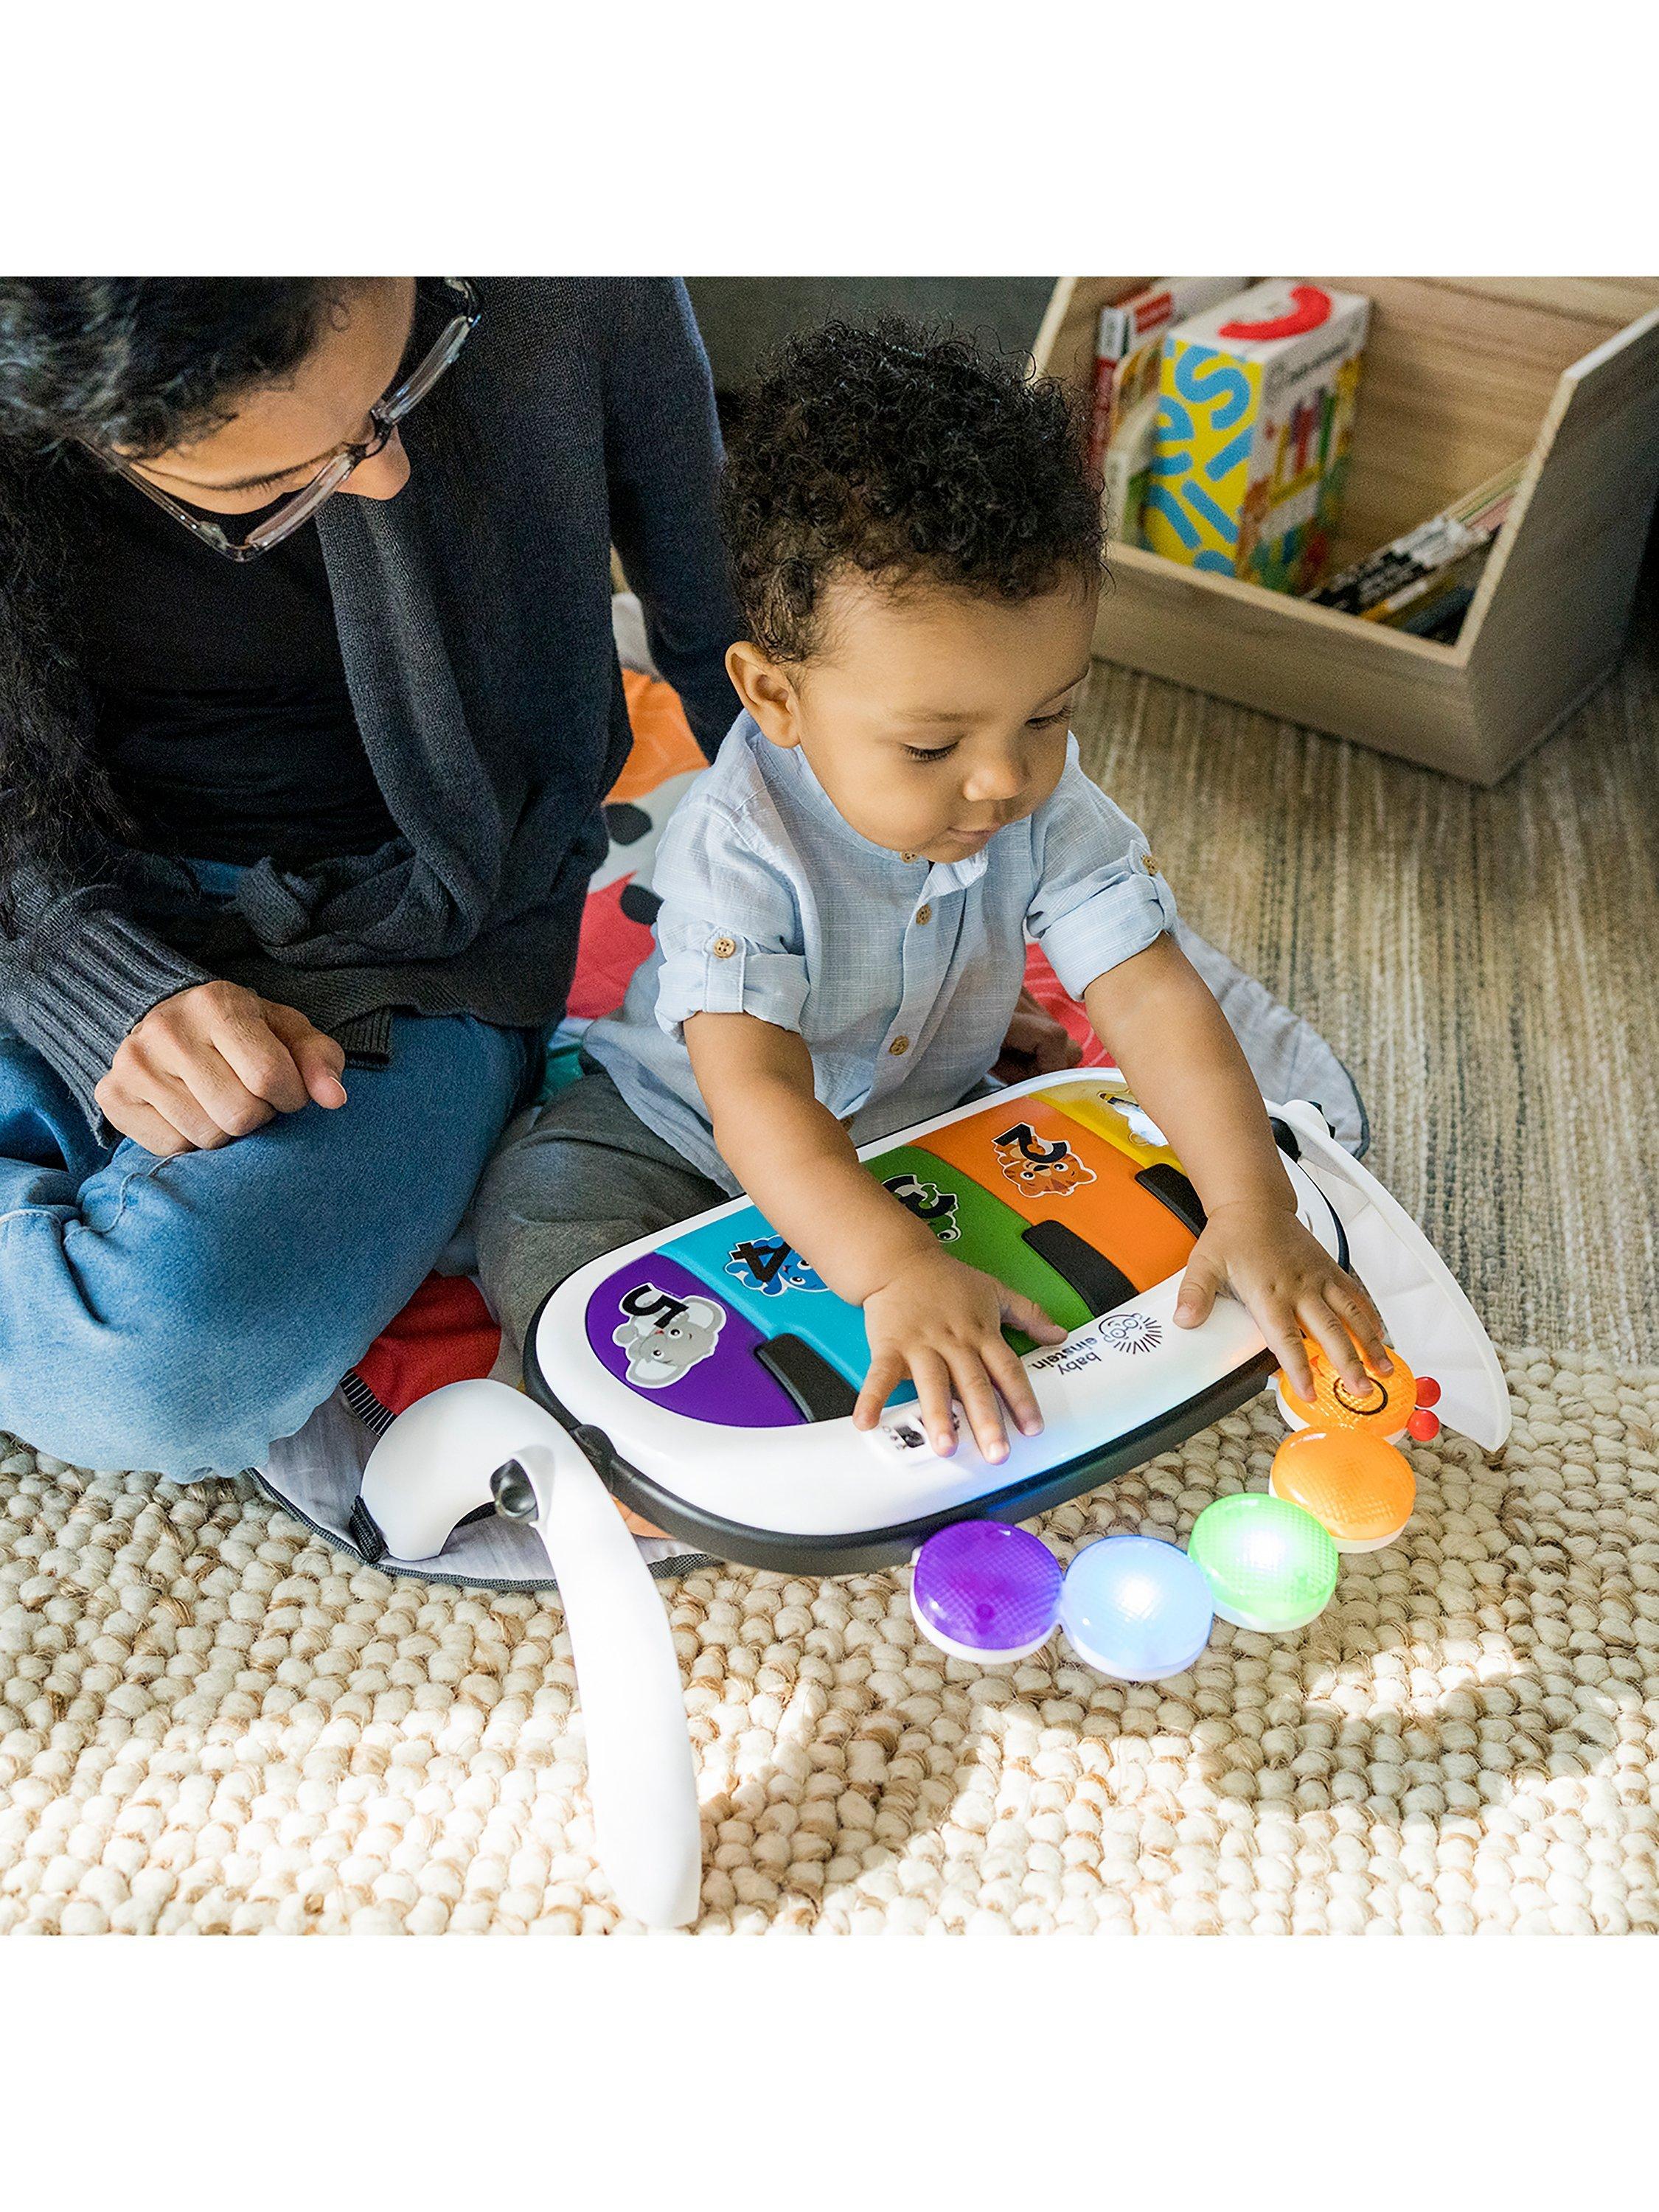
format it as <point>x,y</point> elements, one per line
<point>218,693</point>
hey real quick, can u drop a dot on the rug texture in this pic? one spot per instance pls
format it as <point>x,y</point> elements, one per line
<point>209,1721</point>
<point>1486,963</point>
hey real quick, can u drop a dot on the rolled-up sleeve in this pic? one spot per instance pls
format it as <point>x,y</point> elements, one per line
<point>729,926</point>
<point>1100,897</point>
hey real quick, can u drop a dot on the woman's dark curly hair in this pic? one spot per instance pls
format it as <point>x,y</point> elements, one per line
<point>905,454</point>
<point>144,363</point>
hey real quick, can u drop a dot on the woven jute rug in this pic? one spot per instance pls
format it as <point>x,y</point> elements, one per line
<point>209,1721</point>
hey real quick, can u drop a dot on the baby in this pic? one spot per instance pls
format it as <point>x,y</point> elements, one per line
<point>847,891</point>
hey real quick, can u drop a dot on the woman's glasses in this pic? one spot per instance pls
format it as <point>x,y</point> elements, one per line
<point>385,415</point>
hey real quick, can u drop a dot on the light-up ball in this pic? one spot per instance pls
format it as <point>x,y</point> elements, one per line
<point>1135,1609</point>
<point>1352,1483</point>
<point>1384,1407</point>
<point>985,1591</point>
<point>1270,1566</point>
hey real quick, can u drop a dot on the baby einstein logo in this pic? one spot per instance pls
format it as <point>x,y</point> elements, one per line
<point>1131,1333</point>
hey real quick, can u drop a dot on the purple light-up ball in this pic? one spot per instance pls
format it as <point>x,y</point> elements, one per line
<point>984,1591</point>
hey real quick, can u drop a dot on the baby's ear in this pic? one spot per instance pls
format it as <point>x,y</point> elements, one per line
<point>765,689</point>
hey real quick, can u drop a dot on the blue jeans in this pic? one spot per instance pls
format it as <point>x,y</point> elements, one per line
<point>180,1314</point>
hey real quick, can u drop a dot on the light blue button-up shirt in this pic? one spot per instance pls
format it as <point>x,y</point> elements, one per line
<point>900,974</point>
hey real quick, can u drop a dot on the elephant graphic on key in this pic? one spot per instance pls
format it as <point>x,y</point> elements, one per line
<point>666,1337</point>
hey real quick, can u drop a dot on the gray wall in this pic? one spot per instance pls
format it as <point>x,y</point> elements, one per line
<point>741,316</point>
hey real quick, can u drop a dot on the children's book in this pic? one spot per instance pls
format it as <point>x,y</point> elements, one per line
<point>1126,388</point>
<point>1250,451</point>
<point>1423,581</point>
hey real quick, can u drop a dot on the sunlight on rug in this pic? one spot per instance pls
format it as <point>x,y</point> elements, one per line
<point>210,1721</point>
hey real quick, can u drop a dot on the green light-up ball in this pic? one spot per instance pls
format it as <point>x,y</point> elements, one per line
<point>1270,1566</point>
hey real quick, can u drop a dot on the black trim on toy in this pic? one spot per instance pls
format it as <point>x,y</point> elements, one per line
<point>1097,1280</point>
<point>820,1391</point>
<point>1171,1188</point>
<point>874,1548</point>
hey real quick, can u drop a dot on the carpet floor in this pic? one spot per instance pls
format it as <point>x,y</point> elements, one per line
<point>211,1722</point>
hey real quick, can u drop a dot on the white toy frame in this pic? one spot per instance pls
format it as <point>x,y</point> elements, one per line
<point>820,1498</point>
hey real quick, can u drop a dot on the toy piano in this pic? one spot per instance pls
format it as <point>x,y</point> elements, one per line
<point>707,1378</point>
<point>710,1375</point>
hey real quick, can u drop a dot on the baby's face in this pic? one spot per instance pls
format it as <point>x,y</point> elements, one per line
<point>933,718</point>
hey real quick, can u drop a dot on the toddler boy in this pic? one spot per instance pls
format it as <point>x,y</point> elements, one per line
<point>846,891</point>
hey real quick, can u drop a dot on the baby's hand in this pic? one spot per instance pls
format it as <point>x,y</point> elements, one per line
<point>1283,1275</point>
<point>939,1321</point>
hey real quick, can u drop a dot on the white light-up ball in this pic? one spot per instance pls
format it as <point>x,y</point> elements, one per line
<point>1135,1608</point>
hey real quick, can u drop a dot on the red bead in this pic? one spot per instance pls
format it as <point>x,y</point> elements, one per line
<point>1428,1390</point>
<point>1424,1425</point>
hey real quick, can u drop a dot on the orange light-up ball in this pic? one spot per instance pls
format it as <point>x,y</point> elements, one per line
<point>1385,1412</point>
<point>1351,1480</point>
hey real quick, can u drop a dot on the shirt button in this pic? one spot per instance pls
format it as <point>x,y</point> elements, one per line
<point>924,914</point>
<point>1149,864</point>
<point>899,1046</point>
<point>724,947</point>
<point>907,858</point>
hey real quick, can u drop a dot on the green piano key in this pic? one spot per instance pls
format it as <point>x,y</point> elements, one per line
<point>975,1227</point>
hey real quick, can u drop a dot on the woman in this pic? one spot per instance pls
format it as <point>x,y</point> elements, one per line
<point>307,703</point>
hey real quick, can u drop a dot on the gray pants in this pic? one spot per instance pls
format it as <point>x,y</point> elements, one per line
<point>570,1181</point>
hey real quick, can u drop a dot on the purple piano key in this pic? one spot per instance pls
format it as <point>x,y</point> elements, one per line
<point>686,1347</point>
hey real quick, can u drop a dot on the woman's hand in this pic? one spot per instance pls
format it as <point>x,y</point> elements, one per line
<point>941,1321</point>
<point>214,1063</point>
<point>1036,1044</point>
<point>1290,1283</point>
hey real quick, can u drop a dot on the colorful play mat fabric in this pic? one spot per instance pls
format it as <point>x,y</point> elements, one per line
<point>446,1333</point>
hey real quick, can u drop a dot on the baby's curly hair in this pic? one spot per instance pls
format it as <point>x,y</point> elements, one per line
<point>910,455</point>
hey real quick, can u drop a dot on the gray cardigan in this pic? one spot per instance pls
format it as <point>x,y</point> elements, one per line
<point>474,615</point>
